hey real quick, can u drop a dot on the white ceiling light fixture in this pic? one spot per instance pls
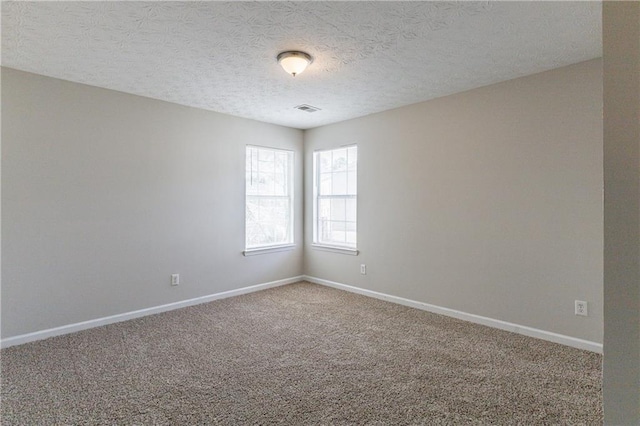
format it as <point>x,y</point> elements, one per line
<point>294,62</point>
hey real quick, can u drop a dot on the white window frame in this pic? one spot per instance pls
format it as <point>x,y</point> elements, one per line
<point>318,243</point>
<point>280,246</point>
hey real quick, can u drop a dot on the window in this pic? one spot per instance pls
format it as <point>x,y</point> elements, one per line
<point>269,198</point>
<point>335,197</point>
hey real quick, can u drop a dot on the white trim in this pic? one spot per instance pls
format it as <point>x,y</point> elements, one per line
<point>270,249</point>
<point>477,319</point>
<point>335,249</point>
<point>72,328</point>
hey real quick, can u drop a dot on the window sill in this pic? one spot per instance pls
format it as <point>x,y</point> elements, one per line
<point>335,249</point>
<point>265,250</point>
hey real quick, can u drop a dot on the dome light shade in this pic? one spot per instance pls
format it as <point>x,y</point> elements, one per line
<point>294,62</point>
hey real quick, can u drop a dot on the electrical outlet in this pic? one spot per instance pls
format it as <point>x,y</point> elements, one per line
<point>363,269</point>
<point>581,308</point>
<point>175,279</point>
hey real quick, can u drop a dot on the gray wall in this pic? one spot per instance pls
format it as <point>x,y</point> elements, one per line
<point>105,194</point>
<point>621,46</point>
<point>488,201</point>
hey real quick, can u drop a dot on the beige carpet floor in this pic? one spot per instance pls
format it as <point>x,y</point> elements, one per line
<point>298,354</point>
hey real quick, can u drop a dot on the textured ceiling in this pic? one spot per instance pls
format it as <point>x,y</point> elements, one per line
<point>369,56</point>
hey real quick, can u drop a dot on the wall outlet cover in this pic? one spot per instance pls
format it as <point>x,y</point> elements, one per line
<point>581,308</point>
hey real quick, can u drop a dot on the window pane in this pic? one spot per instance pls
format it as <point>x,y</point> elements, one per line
<point>325,161</point>
<point>281,162</point>
<point>338,210</point>
<point>337,233</point>
<point>325,183</point>
<point>324,208</point>
<point>323,229</point>
<point>338,225</point>
<point>280,219</point>
<point>339,160</point>
<point>280,182</point>
<point>273,221</point>
<point>266,160</point>
<point>339,186</point>
<point>265,183</point>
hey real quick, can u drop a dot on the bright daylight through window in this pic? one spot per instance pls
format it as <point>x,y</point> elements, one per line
<point>269,197</point>
<point>335,197</point>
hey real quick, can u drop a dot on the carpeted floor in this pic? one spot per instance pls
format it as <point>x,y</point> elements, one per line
<point>299,354</point>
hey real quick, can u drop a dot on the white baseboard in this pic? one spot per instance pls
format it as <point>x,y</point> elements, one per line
<point>72,328</point>
<point>477,319</point>
<point>490,322</point>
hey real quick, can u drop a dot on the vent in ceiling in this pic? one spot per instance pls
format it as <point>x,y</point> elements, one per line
<point>307,108</point>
